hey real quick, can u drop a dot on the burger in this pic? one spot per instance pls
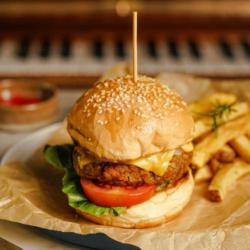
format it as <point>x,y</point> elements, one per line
<point>129,162</point>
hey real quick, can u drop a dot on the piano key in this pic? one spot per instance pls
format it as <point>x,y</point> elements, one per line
<point>152,49</point>
<point>163,61</point>
<point>194,49</point>
<point>8,49</point>
<point>45,49</point>
<point>97,49</point>
<point>173,49</point>
<point>65,48</point>
<point>80,50</point>
<point>226,49</point>
<point>246,47</point>
<point>23,48</point>
<point>109,58</point>
<point>120,51</point>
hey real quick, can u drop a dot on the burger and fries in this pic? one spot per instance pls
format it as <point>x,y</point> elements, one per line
<point>136,145</point>
<point>117,173</point>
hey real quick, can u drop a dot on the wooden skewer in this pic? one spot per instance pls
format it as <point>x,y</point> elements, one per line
<point>135,73</point>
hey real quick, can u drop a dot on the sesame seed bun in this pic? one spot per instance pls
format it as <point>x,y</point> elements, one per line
<point>162,207</point>
<point>120,120</point>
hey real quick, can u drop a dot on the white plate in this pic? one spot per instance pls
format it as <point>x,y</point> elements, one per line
<point>24,149</point>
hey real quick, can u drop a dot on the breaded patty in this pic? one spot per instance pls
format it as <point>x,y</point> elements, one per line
<point>130,175</point>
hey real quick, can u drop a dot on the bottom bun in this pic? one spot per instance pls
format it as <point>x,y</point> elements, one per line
<point>162,207</point>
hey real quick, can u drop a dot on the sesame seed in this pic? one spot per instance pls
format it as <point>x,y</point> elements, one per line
<point>100,122</point>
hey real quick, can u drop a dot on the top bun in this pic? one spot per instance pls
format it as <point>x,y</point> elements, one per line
<point>119,119</point>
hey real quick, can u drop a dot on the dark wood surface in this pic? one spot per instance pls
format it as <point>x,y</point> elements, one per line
<point>103,15</point>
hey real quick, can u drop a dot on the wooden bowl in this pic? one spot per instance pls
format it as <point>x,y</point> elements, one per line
<point>41,108</point>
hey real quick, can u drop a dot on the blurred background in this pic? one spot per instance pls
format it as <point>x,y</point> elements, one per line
<point>71,43</point>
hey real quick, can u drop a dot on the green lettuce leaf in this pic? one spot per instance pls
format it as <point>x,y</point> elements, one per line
<point>60,156</point>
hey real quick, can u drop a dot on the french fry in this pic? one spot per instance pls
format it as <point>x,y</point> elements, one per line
<point>120,69</point>
<point>214,165</point>
<point>226,178</point>
<point>241,145</point>
<point>203,174</point>
<point>225,155</point>
<point>248,134</point>
<point>204,126</point>
<point>204,105</point>
<point>212,143</point>
<point>189,147</point>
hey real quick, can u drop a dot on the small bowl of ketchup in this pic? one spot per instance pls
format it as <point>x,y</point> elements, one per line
<point>27,105</point>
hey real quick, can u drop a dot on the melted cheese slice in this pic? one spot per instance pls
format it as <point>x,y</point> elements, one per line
<point>157,163</point>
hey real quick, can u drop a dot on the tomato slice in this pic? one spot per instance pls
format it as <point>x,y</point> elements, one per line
<point>116,196</point>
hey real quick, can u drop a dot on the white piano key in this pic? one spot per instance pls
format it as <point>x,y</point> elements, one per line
<point>110,58</point>
<point>8,50</point>
<point>164,58</point>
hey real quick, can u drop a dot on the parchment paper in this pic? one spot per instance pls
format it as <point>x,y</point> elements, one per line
<point>31,194</point>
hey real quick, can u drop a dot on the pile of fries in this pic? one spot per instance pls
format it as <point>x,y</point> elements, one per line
<point>221,143</point>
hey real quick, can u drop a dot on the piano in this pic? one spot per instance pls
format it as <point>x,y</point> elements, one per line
<point>71,42</point>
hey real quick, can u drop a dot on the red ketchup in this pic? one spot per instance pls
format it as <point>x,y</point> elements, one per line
<point>19,100</point>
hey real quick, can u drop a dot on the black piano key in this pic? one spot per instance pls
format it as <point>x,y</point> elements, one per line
<point>65,48</point>
<point>23,48</point>
<point>152,50</point>
<point>98,49</point>
<point>194,49</point>
<point>246,47</point>
<point>173,49</point>
<point>226,49</point>
<point>120,49</point>
<point>45,49</point>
